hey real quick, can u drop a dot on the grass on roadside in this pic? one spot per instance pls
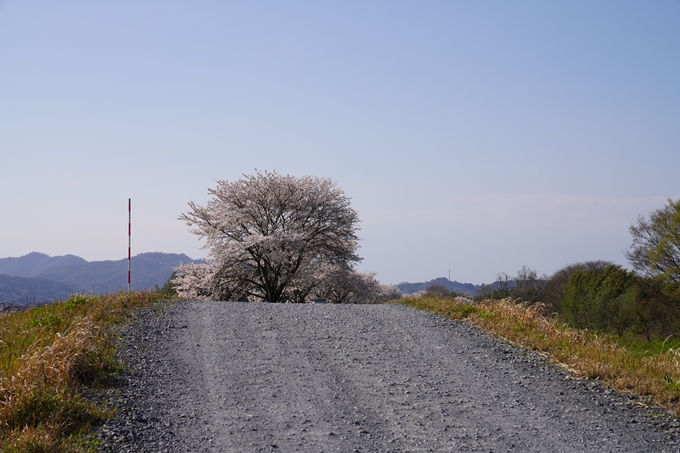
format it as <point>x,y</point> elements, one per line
<point>626,366</point>
<point>48,356</point>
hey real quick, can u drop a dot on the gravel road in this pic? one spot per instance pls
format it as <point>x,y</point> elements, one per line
<point>239,377</point>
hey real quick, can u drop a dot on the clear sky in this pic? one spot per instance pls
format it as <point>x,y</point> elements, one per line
<point>472,136</point>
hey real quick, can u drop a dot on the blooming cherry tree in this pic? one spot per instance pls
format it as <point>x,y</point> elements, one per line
<point>269,236</point>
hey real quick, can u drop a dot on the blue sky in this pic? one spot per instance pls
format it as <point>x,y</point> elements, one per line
<point>474,137</point>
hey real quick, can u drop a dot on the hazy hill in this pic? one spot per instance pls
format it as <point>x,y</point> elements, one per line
<point>33,264</point>
<point>148,270</point>
<point>21,290</point>
<point>466,288</point>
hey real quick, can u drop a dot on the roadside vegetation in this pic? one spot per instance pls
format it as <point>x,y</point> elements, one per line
<point>595,318</point>
<point>50,357</point>
<point>604,297</point>
<point>636,366</point>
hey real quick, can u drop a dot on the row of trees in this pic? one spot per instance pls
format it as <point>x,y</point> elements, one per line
<point>600,295</point>
<point>526,285</point>
<point>281,238</point>
<point>278,238</point>
<point>441,292</point>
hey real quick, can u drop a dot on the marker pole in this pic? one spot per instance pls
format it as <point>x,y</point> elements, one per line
<point>129,237</point>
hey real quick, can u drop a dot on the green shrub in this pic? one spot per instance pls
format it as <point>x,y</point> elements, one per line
<point>601,300</point>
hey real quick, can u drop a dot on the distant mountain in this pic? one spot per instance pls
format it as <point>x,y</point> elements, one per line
<point>148,270</point>
<point>33,264</point>
<point>27,291</point>
<point>465,288</point>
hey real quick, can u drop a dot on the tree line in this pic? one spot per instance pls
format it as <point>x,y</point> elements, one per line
<point>278,238</point>
<point>603,296</point>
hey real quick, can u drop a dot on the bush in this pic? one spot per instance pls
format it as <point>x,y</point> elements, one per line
<point>601,300</point>
<point>556,287</point>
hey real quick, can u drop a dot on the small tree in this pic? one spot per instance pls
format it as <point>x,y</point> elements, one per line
<point>657,314</point>
<point>655,251</point>
<point>168,288</point>
<point>601,300</point>
<point>267,235</point>
<point>345,285</point>
<point>556,286</point>
<point>340,284</point>
<point>387,293</point>
<point>528,285</point>
<point>438,291</point>
<point>504,283</point>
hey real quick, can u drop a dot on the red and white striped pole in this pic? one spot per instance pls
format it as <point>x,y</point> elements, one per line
<point>129,237</point>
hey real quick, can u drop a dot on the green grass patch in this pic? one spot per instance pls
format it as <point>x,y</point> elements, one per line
<point>48,356</point>
<point>643,348</point>
<point>672,385</point>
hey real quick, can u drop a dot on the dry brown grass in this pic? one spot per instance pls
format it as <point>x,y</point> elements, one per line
<point>48,357</point>
<point>584,353</point>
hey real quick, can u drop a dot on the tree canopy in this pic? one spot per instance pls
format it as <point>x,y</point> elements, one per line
<point>655,251</point>
<point>270,237</point>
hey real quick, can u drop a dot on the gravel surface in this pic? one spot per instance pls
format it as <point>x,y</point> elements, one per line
<point>249,377</point>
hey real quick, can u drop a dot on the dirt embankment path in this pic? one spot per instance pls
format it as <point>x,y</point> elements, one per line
<point>237,377</point>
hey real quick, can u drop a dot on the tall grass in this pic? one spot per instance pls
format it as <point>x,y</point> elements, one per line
<point>49,356</point>
<point>655,376</point>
